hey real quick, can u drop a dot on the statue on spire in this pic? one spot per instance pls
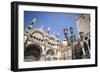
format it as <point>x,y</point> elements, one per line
<point>48,29</point>
<point>31,25</point>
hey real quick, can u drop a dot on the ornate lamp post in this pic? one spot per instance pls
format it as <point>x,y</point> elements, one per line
<point>72,39</point>
<point>66,36</point>
<point>65,33</point>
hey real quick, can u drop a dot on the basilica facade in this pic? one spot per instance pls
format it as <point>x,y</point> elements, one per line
<point>42,46</point>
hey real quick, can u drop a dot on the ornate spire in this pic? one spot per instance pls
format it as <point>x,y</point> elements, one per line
<point>41,27</point>
<point>48,29</point>
<point>58,34</point>
<point>53,33</point>
<point>30,25</point>
<point>33,21</point>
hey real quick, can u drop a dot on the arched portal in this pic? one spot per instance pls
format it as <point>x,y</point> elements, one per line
<point>50,52</point>
<point>32,52</point>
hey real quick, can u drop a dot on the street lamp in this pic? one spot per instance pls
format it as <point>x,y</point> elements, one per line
<point>65,33</point>
<point>66,37</point>
<point>72,39</point>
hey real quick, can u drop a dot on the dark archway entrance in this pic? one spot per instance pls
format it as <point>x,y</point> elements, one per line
<point>50,52</point>
<point>32,52</point>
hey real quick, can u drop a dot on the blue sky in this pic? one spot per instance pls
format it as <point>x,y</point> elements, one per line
<point>55,20</point>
